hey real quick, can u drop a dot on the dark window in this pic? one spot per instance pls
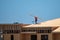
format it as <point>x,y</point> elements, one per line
<point>44,31</point>
<point>29,30</point>
<point>39,31</point>
<point>33,37</point>
<point>12,37</point>
<point>11,31</point>
<point>49,31</point>
<point>44,37</point>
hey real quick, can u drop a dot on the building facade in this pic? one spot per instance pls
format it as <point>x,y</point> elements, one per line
<point>49,30</point>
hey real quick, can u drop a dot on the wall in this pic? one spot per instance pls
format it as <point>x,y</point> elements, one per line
<point>49,36</point>
<point>56,36</point>
<point>25,36</point>
<point>8,36</point>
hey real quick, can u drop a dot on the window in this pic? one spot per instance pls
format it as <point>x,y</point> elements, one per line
<point>44,37</point>
<point>44,31</point>
<point>28,30</point>
<point>12,37</point>
<point>11,31</point>
<point>39,31</point>
<point>33,37</point>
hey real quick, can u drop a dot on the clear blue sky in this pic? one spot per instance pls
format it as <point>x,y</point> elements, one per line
<point>20,10</point>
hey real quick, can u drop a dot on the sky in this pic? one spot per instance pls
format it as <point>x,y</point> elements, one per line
<point>21,10</point>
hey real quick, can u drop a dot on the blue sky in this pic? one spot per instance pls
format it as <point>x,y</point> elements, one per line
<point>20,10</point>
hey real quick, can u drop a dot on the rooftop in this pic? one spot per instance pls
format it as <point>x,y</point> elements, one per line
<point>49,23</point>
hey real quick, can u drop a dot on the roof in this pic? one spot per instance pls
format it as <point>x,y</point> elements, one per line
<point>56,30</point>
<point>50,23</point>
<point>14,25</point>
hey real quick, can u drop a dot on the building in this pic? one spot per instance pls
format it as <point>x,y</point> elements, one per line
<point>48,30</point>
<point>11,31</point>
